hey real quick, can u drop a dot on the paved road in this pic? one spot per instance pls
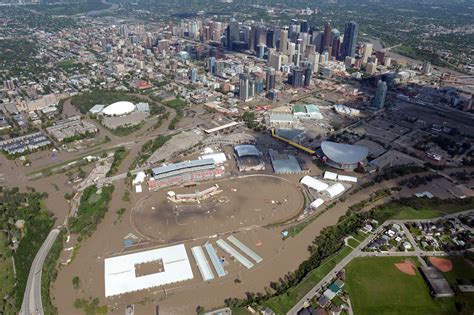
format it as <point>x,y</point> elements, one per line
<point>357,252</point>
<point>330,275</point>
<point>32,303</point>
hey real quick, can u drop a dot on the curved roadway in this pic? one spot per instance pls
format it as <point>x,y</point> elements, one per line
<point>32,303</point>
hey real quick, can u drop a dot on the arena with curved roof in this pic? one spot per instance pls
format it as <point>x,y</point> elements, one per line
<point>343,156</point>
<point>248,158</point>
<point>119,109</point>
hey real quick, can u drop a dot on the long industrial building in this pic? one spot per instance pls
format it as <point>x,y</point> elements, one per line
<point>188,171</point>
<point>202,263</point>
<point>245,249</point>
<point>234,253</point>
<point>215,260</point>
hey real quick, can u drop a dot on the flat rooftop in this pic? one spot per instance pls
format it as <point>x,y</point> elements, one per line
<point>436,281</point>
<point>284,163</point>
<point>182,165</point>
<point>134,272</point>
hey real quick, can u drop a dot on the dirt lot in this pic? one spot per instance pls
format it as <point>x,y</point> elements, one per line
<point>238,206</point>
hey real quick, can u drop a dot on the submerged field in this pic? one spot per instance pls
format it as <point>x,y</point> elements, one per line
<point>239,205</point>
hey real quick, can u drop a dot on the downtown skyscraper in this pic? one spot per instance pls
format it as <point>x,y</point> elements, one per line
<point>350,40</point>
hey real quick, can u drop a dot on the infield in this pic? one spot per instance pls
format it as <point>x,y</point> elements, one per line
<point>243,203</point>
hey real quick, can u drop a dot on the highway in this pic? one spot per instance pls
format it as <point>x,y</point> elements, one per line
<point>32,303</point>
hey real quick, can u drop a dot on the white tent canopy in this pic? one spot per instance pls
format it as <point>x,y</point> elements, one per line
<point>334,190</point>
<point>313,183</point>
<point>315,204</point>
<point>330,175</point>
<point>121,276</point>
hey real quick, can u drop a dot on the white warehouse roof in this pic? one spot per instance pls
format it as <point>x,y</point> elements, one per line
<point>315,204</point>
<point>218,158</point>
<point>330,175</point>
<point>313,183</point>
<point>345,178</point>
<point>334,190</point>
<point>121,276</point>
<point>139,178</point>
<point>119,108</point>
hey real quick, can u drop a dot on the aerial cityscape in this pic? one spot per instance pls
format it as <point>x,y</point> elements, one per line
<point>236,157</point>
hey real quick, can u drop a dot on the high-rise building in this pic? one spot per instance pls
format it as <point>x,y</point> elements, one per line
<point>313,59</point>
<point>349,61</point>
<point>212,65</point>
<point>304,26</point>
<point>246,87</point>
<point>366,52</point>
<point>298,51</point>
<point>351,32</point>
<point>318,41</point>
<point>276,61</point>
<point>258,83</point>
<point>327,37</point>
<point>252,38</point>
<point>310,49</point>
<point>291,51</point>
<point>371,68</point>
<point>293,32</point>
<point>326,57</point>
<point>426,68</point>
<point>233,33</point>
<point>261,50</point>
<point>380,95</point>
<point>271,38</point>
<point>307,75</point>
<point>192,74</point>
<point>270,79</point>
<point>336,47</point>
<point>123,30</point>
<point>261,35</point>
<point>305,40</point>
<point>284,40</point>
<point>297,77</point>
<point>380,55</point>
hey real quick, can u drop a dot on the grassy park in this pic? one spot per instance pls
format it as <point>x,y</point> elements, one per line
<point>91,210</point>
<point>375,286</point>
<point>462,273</point>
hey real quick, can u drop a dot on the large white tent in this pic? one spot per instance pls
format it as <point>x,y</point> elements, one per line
<point>313,183</point>
<point>121,276</point>
<point>334,190</point>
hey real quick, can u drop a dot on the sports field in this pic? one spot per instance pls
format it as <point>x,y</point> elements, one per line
<point>462,273</point>
<point>376,286</point>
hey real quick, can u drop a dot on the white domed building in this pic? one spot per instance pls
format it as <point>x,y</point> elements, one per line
<point>119,109</point>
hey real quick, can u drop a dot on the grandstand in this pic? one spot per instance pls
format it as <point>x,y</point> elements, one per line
<point>184,172</point>
<point>194,197</point>
<point>248,158</point>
